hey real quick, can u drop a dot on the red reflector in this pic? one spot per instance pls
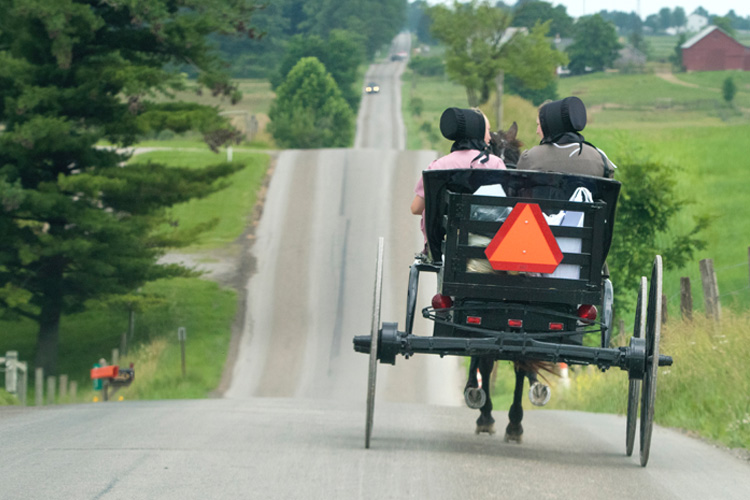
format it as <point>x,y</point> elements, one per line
<point>587,312</point>
<point>440,301</point>
<point>524,242</point>
<point>555,326</point>
<point>474,320</point>
<point>515,323</point>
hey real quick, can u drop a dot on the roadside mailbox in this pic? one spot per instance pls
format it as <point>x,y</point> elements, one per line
<point>111,378</point>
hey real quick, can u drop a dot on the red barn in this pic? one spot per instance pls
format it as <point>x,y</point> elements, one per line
<point>713,50</point>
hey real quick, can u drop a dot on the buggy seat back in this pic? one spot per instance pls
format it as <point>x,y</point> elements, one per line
<point>449,225</point>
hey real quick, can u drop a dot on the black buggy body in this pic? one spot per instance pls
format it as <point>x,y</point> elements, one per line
<point>459,226</point>
<point>517,307</point>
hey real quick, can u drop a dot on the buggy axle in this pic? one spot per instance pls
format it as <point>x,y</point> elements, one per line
<point>510,347</point>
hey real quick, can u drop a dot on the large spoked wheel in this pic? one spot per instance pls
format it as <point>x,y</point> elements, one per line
<point>634,388</point>
<point>653,336</point>
<point>374,341</point>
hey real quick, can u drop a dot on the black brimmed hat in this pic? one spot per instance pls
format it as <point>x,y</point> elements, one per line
<point>457,124</point>
<point>566,115</point>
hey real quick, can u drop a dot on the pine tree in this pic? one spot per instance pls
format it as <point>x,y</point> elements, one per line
<point>75,224</point>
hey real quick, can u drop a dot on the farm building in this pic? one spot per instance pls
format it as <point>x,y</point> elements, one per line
<point>713,50</point>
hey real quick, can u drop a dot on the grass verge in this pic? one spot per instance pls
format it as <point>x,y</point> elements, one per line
<point>704,391</point>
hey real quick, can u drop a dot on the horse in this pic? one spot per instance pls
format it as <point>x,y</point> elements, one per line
<point>505,145</point>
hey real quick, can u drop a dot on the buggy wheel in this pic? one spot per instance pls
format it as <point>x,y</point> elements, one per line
<point>634,388</point>
<point>653,336</point>
<point>374,341</point>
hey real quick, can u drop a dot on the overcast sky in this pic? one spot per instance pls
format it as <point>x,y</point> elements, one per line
<point>644,8</point>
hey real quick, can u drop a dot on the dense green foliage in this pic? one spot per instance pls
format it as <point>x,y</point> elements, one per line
<point>676,57</point>
<point>473,34</point>
<point>419,21</point>
<point>341,55</point>
<point>309,110</point>
<point>74,225</point>
<point>480,49</point>
<point>530,13</point>
<point>595,46</point>
<point>626,22</point>
<point>427,66</point>
<point>725,24</point>
<point>728,89</point>
<point>514,85</point>
<point>646,211</point>
<point>374,23</point>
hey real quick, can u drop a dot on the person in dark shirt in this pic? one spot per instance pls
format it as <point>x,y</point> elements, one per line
<point>563,148</point>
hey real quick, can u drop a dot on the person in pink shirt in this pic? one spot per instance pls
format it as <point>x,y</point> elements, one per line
<point>470,131</point>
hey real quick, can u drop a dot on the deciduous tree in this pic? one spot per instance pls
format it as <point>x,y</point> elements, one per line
<point>480,50</point>
<point>309,110</point>
<point>595,46</point>
<point>529,14</point>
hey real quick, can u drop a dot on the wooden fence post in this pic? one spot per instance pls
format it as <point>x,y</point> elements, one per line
<point>663,309</point>
<point>686,299</point>
<point>51,390</point>
<point>73,390</point>
<point>39,386</point>
<point>63,387</point>
<point>710,289</point>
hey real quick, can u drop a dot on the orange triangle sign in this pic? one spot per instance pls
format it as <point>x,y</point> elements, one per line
<point>524,242</point>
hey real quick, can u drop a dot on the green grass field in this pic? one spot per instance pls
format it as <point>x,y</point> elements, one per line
<point>229,208</point>
<point>704,143</point>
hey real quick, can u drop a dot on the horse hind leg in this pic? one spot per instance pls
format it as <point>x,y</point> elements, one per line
<point>539,393</point>
<point>485,422</point>
<point>514,430</point>
<point>474,396</point>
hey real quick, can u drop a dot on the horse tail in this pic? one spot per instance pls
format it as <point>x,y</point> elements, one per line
<point>536,367</point>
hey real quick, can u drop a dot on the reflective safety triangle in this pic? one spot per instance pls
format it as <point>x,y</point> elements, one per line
<point>524,242</point>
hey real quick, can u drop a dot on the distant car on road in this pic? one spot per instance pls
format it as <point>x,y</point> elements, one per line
<point>372,88</point>
<point>399,56</point>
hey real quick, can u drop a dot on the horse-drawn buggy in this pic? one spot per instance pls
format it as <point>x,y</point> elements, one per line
<point>520,262</point>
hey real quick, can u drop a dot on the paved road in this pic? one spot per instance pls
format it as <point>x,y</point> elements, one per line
<point>315,250</point>
<point>296,448</point>
<point>291,424</point>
